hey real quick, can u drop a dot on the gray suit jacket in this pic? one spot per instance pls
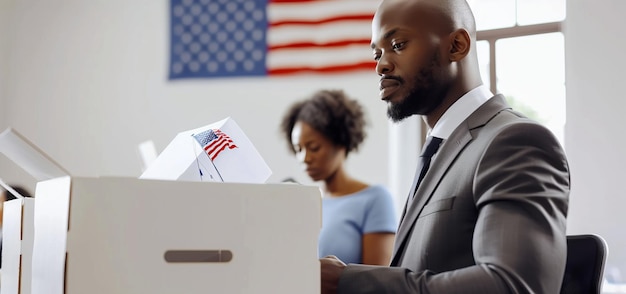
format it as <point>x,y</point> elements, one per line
<point>489,216</point>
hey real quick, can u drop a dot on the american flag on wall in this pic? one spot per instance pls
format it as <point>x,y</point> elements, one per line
<point>214,142</point>
<point>231,38</point>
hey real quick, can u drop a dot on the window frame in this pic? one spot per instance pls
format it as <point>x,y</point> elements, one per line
<point>493,35</point>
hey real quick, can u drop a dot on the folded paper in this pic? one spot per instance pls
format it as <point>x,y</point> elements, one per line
<point>219,152</point>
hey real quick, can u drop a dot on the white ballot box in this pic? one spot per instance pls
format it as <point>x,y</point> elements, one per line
<point>125,235</point>
<point>17,245</point>
<point>122,235</point>
<point>18,215</point>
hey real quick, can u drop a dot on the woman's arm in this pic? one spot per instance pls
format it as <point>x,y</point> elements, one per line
<point>377,248</point>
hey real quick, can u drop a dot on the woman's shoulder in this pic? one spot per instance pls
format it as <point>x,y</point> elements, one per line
<point>376,190</point>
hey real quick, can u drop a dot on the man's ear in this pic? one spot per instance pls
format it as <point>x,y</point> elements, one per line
<point>460,44</point>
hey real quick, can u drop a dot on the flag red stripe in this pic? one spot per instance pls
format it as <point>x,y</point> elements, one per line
<point>364,17</point>
<point>300,45</point>
<point>220,144</point>
<point>220,137</point>
<point>217,144</point>
<point>212,144</point>
<point>215,153</point>
<point>369,65</point>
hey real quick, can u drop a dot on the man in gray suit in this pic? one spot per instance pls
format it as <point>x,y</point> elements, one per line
<point>490,213</point>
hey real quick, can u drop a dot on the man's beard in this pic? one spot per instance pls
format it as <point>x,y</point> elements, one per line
<point>401,110</point>
<point>422,98</point>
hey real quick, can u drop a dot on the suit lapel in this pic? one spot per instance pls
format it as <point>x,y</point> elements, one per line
<point>410,195</point>
<point>448,152</point>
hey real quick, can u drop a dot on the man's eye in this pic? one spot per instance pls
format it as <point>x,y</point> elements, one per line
<point>397,46</point>
<point>376,57</point>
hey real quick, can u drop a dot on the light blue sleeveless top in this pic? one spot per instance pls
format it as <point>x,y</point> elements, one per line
<point>346,219</point>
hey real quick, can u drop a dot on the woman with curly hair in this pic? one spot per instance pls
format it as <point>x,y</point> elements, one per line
<point>358,219</point>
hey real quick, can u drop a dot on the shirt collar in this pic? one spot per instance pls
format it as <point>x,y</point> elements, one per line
<point>459,111</point>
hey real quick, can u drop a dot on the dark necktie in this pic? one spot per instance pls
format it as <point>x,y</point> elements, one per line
<point>431,147</point>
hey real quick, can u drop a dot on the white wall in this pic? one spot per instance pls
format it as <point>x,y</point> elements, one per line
<point>595,41</point>
<point>86,82</point>
<point>8,170</point>
<point>4,29</point>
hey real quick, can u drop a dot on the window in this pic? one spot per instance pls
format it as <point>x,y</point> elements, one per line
<point>521,55</point>
<point>531,74</point>
<point>495,14</point>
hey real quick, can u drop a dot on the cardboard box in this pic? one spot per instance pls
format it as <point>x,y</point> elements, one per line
<point>125,235</point>
<point>17,245</point>
<point>112,235</point>
<point>18,215</point>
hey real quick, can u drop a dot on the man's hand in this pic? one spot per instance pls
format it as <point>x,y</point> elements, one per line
<point>331,268</point>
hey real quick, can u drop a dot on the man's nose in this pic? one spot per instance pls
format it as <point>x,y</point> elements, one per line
<point>384,66</point>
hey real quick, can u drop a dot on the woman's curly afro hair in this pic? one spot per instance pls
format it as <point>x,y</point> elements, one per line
<point>330,112</point>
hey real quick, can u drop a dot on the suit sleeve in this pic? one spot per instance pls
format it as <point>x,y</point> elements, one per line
<point>520,189</point>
